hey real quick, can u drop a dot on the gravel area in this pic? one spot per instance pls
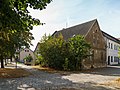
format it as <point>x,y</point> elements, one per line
<point>40,80</point>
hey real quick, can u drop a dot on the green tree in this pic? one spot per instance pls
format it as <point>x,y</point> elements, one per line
<point>28,59</point>
<point>51,49</point>
<point>16,23</point>
<point>79,50</point>
<point>57,53</point>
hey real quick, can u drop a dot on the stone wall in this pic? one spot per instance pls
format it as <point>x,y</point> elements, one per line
<point>96,39</point>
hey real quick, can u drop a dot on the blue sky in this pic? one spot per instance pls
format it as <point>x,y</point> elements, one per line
<point>60,14</point>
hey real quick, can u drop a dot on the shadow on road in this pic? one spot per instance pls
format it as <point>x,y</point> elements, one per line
<point>107,71</point>
<point>51,83</point>
<point>54,81</point>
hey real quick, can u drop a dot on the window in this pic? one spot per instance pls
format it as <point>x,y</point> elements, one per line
<point>117,47</point>
<point>96,51</point>
<point>26,50</point>
<point>114,47</point>
<point>98,39</point>
<point>115,59</point>
<point>108,60</point>
<point>111,58</point>
<point>95,38</point>
<point>111,46</point>
<point>102,56</point>
<point>94,41</point>
<point>95,31</point>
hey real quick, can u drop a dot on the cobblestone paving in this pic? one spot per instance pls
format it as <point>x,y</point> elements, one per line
<point>41,80</point>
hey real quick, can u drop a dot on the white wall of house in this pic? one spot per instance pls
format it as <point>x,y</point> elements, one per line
<point>112,52</point>
<point>25,52</point>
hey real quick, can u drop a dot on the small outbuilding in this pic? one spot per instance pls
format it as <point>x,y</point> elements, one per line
<point>25,53</point>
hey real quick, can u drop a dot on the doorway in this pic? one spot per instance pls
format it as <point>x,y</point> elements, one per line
<point>108,60</point>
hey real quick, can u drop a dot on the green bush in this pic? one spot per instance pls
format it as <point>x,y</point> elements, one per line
<point>28,58</point>
<point>64,55</point>
<point>41,61</point>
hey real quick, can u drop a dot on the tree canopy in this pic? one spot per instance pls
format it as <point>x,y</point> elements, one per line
<point>16,23</point>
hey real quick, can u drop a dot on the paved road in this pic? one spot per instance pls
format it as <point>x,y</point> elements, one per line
<point>41,80</point>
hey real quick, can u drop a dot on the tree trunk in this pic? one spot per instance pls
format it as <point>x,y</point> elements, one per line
<point>2,62</point>
<point>80,65</point>
<point>5,61</point>
<point>10,58</point>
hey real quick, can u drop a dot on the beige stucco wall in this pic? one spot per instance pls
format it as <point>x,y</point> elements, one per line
<point>25,52</point>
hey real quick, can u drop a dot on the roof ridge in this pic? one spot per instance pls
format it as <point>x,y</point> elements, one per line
<point>91,25</point>
<point>81,29</point>
<point>79,24</point>
<point>111,36</point>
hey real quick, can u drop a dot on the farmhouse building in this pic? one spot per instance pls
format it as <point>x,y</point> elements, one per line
<point>105,47</point>
<point>24,53</point>
<point>93,35</point>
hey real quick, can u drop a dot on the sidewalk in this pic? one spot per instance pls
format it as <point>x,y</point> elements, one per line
<point>19,65</point>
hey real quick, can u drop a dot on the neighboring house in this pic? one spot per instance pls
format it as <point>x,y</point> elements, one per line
<point>118,38</point>
<point>93,35</point>
<point>25,52</point>
<point>113,45</point>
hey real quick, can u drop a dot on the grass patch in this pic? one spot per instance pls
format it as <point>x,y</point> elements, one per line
<point>54,70</point>
<point>47,69</point>
<point>115,83</point>
<point>51,70</point>
<point>13,73</point>
<point>118,80</point>
<point>62,72</point>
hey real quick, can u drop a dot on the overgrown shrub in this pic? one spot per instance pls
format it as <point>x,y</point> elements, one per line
<point>28,58</point>
<point>60,54</point>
